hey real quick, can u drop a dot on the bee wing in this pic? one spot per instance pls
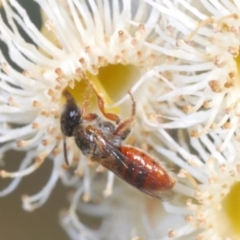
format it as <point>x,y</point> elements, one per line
<point>164,195</point>
<point>112,152</point>
<point>116,157</point>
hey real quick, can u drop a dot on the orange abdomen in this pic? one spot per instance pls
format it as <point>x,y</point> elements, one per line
<point>144,172</point>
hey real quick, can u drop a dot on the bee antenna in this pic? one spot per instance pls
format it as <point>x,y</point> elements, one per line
<point>65,150</point>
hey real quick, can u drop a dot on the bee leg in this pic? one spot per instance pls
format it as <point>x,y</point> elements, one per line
<point>90,116</point>
<point>101,103</point>
<point>124,128</point>
<point>110,116</point>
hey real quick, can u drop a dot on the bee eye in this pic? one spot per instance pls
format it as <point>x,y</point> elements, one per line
<point>72,114</point>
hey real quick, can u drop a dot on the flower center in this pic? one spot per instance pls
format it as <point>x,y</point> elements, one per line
<point>232,211</point>
<point>112,82</point>
<point>237,59</point>
<point>118,79</point>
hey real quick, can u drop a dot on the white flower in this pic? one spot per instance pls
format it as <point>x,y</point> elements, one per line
<point>127,214</point>
<point>201,73</point>
<point>102,40</point>
<point>180,63</point>
<point>202,99</point>
<point>204,205</point>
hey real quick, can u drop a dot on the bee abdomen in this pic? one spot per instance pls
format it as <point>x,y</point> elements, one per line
<point>144,172</point>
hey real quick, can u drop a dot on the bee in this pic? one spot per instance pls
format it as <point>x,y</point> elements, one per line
<point>102,141</point>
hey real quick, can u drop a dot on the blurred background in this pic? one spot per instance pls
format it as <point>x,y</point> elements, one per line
<point>41,224</point>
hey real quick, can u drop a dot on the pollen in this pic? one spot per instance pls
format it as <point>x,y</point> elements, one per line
<point>36,104</point>
<point>172,234</point>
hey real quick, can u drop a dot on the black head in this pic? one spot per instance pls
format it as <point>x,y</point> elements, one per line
<point>71,115</point>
